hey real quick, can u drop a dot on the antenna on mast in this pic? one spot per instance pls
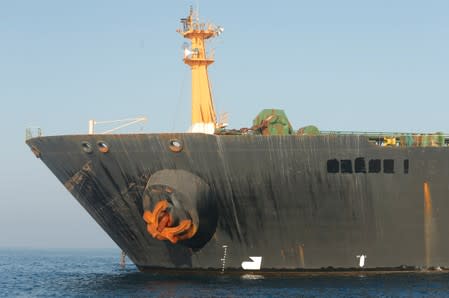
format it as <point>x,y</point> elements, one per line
<point>198,10</point>
<point>204,118</point>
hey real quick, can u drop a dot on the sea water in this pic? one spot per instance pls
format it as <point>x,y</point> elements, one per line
<point>97,272</point>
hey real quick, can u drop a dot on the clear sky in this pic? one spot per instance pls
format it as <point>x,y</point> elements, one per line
<point>340,65</point>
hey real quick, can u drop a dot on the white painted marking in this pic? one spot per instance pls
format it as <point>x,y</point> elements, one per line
<point>362,259</point>
<point>208,128</point>
<point>254,264</point>
<point>223,260</point>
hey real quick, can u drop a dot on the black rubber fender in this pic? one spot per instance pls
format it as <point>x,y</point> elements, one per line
<point>190,197</point>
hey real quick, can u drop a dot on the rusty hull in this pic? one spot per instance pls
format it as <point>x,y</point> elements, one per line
<point>274,198</point>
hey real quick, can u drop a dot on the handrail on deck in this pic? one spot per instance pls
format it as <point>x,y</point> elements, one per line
<point>381,133</point>
<point>33,132</point>
<point>412,139</point>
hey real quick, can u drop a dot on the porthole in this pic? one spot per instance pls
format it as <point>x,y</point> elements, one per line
<point>360,166</point>
<point>103,147</point>
<point>175,145</point>
<point>87,147</point>
<point>374,165</point>
<point>333,166</point>
<point>388,166</point>
<point>406,166</point>
<point>346,166</point>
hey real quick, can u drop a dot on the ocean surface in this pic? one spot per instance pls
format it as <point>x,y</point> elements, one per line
<point>96,272</point>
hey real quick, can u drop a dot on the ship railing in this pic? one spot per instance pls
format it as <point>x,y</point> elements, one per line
<point>33,132</point>
<point>122,124</point>
<point>404,139</point>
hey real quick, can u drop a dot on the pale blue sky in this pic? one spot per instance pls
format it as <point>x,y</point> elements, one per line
<point>341,65</point>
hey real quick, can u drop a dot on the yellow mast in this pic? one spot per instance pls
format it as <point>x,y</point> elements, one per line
<point>203,112</point>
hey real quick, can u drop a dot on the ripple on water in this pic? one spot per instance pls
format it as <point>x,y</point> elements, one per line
<point>97,273</point>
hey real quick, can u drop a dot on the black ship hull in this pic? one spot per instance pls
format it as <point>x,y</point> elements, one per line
<point>296,202</point>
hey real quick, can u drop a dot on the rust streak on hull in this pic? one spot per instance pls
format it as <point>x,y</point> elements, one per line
<point>427,224</point>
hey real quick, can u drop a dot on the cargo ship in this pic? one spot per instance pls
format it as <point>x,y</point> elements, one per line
<point>266,198</point>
